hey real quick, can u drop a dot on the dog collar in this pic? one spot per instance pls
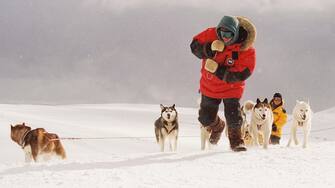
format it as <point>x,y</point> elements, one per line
<point>167,123</point>
<point>22,142</point>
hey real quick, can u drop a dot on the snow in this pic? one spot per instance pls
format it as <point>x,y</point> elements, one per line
<point>128,155</point>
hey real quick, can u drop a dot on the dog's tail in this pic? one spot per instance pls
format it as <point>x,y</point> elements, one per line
<point>248,106</point>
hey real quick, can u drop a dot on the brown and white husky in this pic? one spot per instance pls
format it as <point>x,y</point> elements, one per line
<point>261,122</point>
<point>246,135</point>
<point>37,144</point>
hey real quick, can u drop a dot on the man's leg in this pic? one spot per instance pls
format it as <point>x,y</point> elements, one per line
<point>234,122</point>
<point>208,117</point>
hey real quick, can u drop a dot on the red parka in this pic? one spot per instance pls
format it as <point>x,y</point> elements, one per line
<point>240,58</point>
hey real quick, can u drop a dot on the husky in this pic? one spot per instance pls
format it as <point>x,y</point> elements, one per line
<point>37,143</point>
<point>302,117</point>
<point>245,128</point>
<point>261,122</point>
<point>166,127</point>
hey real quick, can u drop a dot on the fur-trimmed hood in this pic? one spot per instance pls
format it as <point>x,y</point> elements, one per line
<point>251,29</point>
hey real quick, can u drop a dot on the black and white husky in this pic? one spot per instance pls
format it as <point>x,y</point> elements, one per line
<point>166,127</point>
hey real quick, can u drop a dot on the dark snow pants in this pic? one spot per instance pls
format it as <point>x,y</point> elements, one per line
<point>209,108</point>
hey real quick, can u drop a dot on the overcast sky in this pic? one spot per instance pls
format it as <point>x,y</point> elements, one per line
<point>137,51</point>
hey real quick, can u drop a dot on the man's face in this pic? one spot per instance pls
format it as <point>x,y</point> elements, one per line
<point>277,100</point>
<point>226,35</point>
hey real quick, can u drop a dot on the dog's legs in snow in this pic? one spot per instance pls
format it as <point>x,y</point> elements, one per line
<point>47,156</point>
<point>209,145</point>
<point>170,139</point>
<point>306,134</point>
<point>255,136</point>
<point>295,135</point>
<point>292,136</point>
<point>162,143</point>
<point>266,138</point>
<point>28,154</point>
<point>173,141</point>
<point>203,137</point>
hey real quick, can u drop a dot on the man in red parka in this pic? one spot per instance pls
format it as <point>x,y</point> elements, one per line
<point>228,59</point>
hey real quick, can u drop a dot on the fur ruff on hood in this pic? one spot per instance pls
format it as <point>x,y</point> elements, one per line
<point>251,29</point>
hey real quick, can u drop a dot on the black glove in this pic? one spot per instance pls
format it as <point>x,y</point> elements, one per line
<point>208,51</point>
<point>274,127</point>
<point>221,72</point>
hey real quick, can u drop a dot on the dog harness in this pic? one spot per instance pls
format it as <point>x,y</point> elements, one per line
<point>22,142</point>
<point>167,124</point>
<point>300,123</point>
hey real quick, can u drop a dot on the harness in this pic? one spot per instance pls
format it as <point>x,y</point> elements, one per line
<point>259,127</point>
<point>300,123</point>
<point>22,142</point>
<point>173,123</point>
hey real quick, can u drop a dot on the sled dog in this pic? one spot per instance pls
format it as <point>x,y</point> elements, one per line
<point>245,129</point>
<point>261,122</point>
<point>166,127</point>
<point>37,144</point>
<point>302,117</point>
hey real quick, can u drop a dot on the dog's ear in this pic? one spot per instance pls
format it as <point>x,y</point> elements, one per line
<point>265,100</point>
<point>258,101</point>
<point>162,107</point>
<point>298,102</point>
<point>173,106</point>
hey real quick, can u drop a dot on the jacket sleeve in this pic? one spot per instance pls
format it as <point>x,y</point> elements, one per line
<point>245,69</point>
<point>281,121</point>
<point>202,51</point>
<point>201,45</point>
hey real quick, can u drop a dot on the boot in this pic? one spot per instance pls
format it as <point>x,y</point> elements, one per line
<point>274,139</point>
<point>235,139</point>
<point>216,129</point>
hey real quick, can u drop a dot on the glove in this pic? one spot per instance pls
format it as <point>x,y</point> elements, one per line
<point>211,66</point>
<point>217,45</point>
<point>208,52</point>
<point>274,127</point>
<point>221,72</point>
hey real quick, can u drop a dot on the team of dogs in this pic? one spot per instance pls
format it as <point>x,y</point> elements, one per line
<point>38,144</point>
<point>255,133</point>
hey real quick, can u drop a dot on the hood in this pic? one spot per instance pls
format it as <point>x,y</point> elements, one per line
<point>251,30</point>
<point>280,105</point>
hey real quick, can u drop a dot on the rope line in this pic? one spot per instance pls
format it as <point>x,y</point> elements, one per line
<point>150,137</point>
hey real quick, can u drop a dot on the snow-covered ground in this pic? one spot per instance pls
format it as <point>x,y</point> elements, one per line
<point>128,156</point>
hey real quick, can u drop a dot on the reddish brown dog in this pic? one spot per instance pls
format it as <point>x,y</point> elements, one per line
<point>37,143</point>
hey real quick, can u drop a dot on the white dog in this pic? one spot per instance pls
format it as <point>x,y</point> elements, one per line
<point>261,122</point>
<point>302,117</point>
